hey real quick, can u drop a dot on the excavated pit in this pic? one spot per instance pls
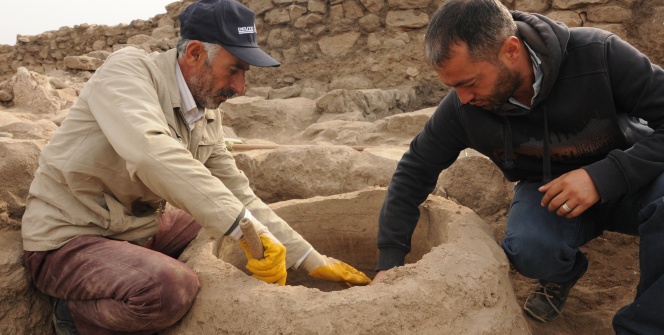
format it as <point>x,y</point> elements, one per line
<point>344,229</point>
<point>456,280</point>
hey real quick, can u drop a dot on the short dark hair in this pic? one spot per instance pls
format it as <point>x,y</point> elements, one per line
<point>483,25</point>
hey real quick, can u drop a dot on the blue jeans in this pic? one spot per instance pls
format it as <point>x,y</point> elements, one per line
<point>544,246</point>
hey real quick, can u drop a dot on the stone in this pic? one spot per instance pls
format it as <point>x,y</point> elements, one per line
<point>296,12</point>
<point>532,6</point>
<point>6,95</point>
<point>99,45</point>
<point>254,117</point>
<point>139,39</point>
<point>476,172</point>
<point>308,20</point>
<point>82,63</point>
<point>20,159</point>
<point>277,16</point>
<point>615,28</point>
<point>571,4</point>
<point>369,23</point>
<point>336,12</point>
<point>408,19</point>
<point>259,6</point>
<point>408,4</point>
<point>339,44</point>
<point>35,91</point>
<point>162,32</point>
<point>101,54</point>
<point>568,17</point>
<point>262,92</point>
<point>412,72</point>
<point>285,92</point>
<point>352,10</point>
<point>317,6</point>
<point>373,6</point>
<point>23,309</point>
<point>8,118</point>
<point>609,14</point>
<point>40,130</point>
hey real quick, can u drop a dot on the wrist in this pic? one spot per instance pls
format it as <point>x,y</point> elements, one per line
<point>298,263</point>
<point>312,261</point>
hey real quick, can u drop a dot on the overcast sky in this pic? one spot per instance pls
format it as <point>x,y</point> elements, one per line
<point>33,17</point>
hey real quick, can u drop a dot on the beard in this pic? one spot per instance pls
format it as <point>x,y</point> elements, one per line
<point>506,84</point>
<point>201,88</point>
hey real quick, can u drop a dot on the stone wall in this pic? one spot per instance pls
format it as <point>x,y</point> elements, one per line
<point>331,44</point>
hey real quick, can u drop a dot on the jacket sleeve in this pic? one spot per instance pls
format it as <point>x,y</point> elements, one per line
<point>638,89</point>
<point>434,149</point>
<point>222,165</point>
<point>124,97</point>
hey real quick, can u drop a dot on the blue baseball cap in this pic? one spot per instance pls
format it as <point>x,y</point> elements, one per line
<point>227,23</point>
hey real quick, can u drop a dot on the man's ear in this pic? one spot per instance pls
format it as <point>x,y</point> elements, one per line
<point>195,54</point>
<point>511,50</point>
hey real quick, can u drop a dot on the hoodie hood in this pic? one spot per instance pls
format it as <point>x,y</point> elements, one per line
<point>549,40</point>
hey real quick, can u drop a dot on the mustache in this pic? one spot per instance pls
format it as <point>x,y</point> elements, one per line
<point>227,92</point>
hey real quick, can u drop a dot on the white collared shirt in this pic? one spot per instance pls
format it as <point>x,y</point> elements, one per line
<point>537,68</point>
<point>189,110</point>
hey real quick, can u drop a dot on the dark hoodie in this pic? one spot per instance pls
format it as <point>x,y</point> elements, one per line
<point>597,94</point>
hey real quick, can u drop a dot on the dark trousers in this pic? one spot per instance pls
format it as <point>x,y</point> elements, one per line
<point>542,245</point>
<point>115,287</point>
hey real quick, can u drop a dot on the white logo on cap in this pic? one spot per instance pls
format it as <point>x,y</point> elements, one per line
<point>246,30</point>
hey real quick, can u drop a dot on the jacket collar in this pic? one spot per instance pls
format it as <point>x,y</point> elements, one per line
<point>166,62</point>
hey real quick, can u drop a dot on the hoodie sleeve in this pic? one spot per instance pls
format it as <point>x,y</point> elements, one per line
<point>434,149</point>
<point>638,89</point>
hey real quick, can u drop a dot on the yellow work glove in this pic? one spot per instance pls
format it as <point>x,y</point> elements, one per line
<point>272,268</point>
<point>327,268</point>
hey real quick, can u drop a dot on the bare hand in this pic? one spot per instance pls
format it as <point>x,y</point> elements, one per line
<point>380,276</point>
<point>574,190</point>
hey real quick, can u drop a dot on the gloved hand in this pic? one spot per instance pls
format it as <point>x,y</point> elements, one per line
<point>327,268</point>
<point>272,268</point>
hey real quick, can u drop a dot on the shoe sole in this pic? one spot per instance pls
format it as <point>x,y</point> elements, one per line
<point>537,317</point>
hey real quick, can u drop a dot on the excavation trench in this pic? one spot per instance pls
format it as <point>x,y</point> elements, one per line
<point>455,280</point>
<point>344,229</point>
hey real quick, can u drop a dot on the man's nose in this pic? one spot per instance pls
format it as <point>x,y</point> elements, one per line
<point>464,95</point>
<point>238,84</point>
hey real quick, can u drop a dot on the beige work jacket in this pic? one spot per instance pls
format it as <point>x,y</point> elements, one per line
<point>124,149</point>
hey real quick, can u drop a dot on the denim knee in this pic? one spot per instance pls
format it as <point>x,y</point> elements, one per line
<point>539,257</point>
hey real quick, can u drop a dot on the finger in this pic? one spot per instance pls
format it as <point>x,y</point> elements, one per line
<point>279,278</point>
<point>545,187</point>
<point>266,270</point>
<point>552,191</point>
<point>565,209</point>
<point>355,276</point>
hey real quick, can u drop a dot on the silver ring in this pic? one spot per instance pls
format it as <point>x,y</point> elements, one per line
<point>566,208</point>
